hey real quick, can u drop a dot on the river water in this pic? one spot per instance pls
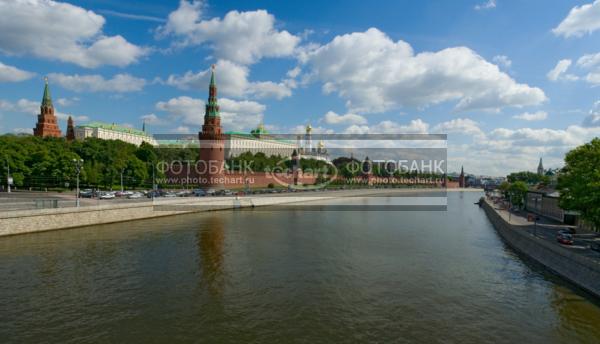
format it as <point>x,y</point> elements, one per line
<point>287,276</point>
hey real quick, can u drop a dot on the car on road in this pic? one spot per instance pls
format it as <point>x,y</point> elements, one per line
<point>595,246</point>
<point>107,195</point>
<point>135,195</point>
<point>564,238</point>
<point>86,193</point>
<point>211,192</point>
<point>183,193</point>
<point>123,193</point>
<point>199,193</point>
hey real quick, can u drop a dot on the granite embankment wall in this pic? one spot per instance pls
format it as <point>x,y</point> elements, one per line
<point>38,220</point>
<point>578,269</point>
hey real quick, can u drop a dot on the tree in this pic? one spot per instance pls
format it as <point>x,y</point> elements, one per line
<point>504,188</point>
<point>579,182</point>
<point>528,177</point>
<point>517,192</point>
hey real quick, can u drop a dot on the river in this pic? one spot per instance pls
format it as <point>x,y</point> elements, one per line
<point>284,276</point>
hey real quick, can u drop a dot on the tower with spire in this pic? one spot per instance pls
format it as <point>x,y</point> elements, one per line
<point>212,144</point>
<point>540,169</point>
<point>46,122</point>
<point>461,178</point>
<point>70,129</point>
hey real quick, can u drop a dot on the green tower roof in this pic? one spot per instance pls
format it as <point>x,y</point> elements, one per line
<point>47,99</point>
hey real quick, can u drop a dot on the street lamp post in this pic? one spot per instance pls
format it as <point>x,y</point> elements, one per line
<point>122,170</point>
<point>8,179</point>
<point>78,164</point>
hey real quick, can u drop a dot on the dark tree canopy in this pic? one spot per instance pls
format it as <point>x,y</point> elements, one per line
<point>579,182</point>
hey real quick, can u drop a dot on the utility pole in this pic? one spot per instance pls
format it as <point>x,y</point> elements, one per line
<point>78,164</point>
<point>8,178</point>
<point>122,170</point>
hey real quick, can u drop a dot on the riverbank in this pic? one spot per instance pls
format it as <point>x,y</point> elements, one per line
<point>574,264</point>
<point>39,220</point>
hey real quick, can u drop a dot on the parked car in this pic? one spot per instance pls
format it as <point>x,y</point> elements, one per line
<point>199,193</point>
<point>135,195</point>
<point>211,192</point>
<point>106,195</point>
<point>564,238</point>
<point>153,193</point>
<point>87,193</point>
<point>595,246</point>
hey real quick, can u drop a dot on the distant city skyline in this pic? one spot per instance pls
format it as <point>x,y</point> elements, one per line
<point>509,82</point>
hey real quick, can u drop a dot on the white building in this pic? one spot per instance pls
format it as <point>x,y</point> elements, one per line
<point>258,140</point>
<point>106,131</point>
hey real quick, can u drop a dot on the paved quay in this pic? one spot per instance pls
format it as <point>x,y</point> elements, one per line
<point>547,229</point>
<point>575,263</point>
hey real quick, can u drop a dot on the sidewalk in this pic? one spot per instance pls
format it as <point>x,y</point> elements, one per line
<point>547,229</point>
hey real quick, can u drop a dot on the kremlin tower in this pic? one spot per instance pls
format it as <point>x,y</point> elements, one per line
<point>212,145</point>
<point>46,124</point>
<point>461,178</point>
<point>70,130</point>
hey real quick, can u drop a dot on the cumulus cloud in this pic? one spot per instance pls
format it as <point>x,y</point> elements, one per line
<point>232,80</point>
<point>580,20</point>
<point>32,107</point>
<point>153,119</point>
<point>64,32</point>
<point>415,126</point>
<point>120,83</point>
<point>593,119</point>
<point>559,71</point>
<point>349,118</point>
<point>241,37</point>
<point>375,74</point>
<point>536,116</point>
<point>235,115</point>
<point>489,4</point>
<point>502,60</point>
<point>13,74</point>
<point>459,126</point>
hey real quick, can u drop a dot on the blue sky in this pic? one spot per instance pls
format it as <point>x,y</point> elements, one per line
<point>509,81</point>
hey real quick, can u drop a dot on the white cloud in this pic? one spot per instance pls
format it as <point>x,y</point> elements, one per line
<point>502,60</point>
<point>593,119</point>
<point>235,115</point>
<point>589,60</point>
<point>580,20</point>
<point>416,126</point>
<point>489,4</point>
<point>232,80</point>
<point>459,126</point>
<point>32,107</point>
<point>23,131</point>
<point>13,74</point>
<point>64,32</point>
<point>349,118</point>
<point>375,74</point>
<point>241,37</point>
<point>96,83</point>
<point>153,119</point>
<point>535,116</point>
<point>558,72</point>
<point>67,101</point>
<point>182,130</point>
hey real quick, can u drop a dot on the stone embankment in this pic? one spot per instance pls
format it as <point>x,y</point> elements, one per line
<point>578,268</point>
